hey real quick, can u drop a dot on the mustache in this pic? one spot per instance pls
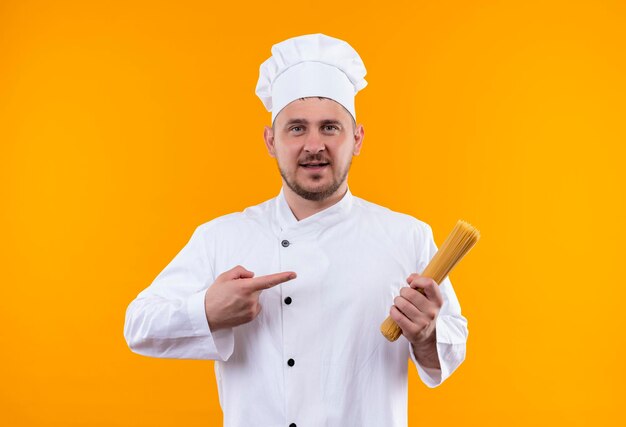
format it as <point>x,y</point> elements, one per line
<point>315,158</point>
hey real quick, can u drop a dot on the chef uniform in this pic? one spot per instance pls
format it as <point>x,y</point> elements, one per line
<point>314,356</point>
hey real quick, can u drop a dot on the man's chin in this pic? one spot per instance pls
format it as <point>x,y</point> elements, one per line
<point>314,192</point>
<point>317,188</point>
<point>309,189</point>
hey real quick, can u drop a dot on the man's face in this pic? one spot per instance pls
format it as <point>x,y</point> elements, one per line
<point>313,140</point>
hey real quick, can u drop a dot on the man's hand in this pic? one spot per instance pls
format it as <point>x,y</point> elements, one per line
<point>233,298</point>
<point>415,311</point>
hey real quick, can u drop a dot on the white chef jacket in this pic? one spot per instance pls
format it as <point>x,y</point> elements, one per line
<point>314,356</point>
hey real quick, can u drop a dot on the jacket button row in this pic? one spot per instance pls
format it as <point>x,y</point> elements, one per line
<point>288,300</point>
<point>291,362</point>
<point>285,243</point>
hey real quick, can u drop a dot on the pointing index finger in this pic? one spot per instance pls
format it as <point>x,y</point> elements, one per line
<point>270,280</point>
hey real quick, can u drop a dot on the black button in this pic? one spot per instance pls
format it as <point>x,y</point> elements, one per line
<point>285,243</point>
<point>291,362</point>
<point>288,300</point>
<point>292,425</point>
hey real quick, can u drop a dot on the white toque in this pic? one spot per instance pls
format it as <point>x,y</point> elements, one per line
<point>310,65</point>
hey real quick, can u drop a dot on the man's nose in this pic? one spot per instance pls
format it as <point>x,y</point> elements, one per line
<point>314,143</point>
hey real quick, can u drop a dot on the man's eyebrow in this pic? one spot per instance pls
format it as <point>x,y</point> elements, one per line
<point>306,122</point>
<point>297,121</point>
<point>331,122</point>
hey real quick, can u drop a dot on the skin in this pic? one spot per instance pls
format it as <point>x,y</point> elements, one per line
<point>314,140</point>
<point>233,299</point>
<point>307,131</point>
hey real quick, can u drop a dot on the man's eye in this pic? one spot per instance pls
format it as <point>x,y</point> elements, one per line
<point>296,128</point>
<point>331,127</point>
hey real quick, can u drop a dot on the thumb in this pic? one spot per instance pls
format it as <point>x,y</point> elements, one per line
<point>237,272</point>
<point>412,277</point>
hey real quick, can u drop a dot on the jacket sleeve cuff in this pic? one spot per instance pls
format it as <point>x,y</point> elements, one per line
<point>221,342</point>
<point>432,377</point>
<point>450,352</point>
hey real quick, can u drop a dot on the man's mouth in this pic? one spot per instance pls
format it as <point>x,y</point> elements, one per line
<point>314,165</point>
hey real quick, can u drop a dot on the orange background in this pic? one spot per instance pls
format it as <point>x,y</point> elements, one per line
<point>124,125</point>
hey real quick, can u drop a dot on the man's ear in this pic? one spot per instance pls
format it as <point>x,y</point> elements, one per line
<point>268,136</point>
<point>359,134</point>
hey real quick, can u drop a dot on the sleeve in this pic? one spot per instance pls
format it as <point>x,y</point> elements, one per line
<point>451,326</point>
<point>168,319</point>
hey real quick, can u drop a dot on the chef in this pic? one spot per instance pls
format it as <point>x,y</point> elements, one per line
<point>288,296</point>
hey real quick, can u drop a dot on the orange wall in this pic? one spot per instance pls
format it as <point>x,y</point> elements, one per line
<point>124,125</point>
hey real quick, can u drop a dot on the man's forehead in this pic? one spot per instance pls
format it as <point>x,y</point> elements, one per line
<point>313,110</point>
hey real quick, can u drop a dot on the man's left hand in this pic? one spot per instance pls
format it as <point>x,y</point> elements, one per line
<point>416,312</point>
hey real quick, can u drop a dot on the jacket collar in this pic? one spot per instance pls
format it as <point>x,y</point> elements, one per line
<point>325,218</point>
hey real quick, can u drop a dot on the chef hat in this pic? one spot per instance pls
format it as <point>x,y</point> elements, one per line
<point>310,65</point>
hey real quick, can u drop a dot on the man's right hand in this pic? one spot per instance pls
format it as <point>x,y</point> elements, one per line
<point>233,298</point>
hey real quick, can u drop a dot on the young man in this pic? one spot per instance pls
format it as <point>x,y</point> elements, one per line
<point>288,296</point>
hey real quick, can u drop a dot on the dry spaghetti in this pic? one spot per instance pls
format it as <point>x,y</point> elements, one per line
<point>462,238</point>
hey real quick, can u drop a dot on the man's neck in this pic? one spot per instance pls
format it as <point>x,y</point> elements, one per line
<point>303,208</point>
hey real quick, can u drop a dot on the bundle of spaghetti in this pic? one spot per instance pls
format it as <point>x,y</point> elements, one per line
<point>462,238</point>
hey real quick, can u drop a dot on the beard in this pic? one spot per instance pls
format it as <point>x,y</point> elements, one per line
<point>320,193</point>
